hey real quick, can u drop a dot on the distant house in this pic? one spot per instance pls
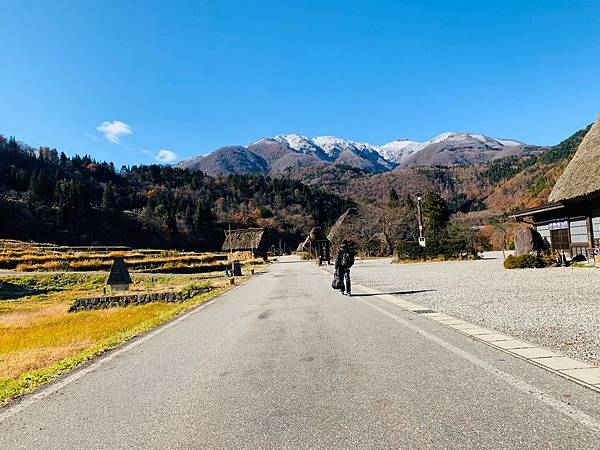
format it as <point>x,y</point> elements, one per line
<point>570,222</point>
<point>118,278</point>
<point>246,240</point>
<point>337,231</point>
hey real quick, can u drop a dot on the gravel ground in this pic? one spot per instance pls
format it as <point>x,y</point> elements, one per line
<point>556,308</point>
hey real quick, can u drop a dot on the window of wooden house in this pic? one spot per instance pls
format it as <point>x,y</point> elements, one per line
<point>560,239</point>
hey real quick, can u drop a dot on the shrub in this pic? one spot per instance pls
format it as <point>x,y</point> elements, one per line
<point>196,288</point>
<point>457,246</point>
<point>410,250</point>
<point>526,261</point>
<point>305,255</point>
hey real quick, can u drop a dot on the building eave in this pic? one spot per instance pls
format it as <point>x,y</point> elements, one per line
<point>538,209</point>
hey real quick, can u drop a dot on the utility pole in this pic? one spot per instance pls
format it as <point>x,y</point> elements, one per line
<point>231,253</point>
<point>420,221</point>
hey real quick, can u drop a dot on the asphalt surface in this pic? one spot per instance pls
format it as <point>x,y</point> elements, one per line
<point>286,362</point>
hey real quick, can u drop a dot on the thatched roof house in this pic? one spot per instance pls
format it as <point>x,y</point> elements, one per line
<point>309,244</point>
<point>582,175</point>
<point>335,234</point>
<point>118,278</point>
<point>246,240</point>
<point>570,222</point>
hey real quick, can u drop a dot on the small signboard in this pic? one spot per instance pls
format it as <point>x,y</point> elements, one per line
<point>559,225</point>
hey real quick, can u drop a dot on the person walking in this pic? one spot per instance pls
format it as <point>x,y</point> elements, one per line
<point>344,260</point>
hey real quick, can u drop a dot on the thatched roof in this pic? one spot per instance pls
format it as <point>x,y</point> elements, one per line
<point>243,239</point>
<point>304,245</point>
<point>339,223</point>
<point>582,175</point>
<point>118,273</point>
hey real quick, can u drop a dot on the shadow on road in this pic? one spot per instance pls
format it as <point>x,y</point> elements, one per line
<point>394,293</point>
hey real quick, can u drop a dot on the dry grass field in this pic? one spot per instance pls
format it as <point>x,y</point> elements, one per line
<point>31,257</point>
<point>40,340</point>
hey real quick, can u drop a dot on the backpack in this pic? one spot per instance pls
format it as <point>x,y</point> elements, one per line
<point>347,259</point>
<point>336,283</point>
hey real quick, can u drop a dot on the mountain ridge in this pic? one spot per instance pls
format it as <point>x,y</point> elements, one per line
<point>285,152</point>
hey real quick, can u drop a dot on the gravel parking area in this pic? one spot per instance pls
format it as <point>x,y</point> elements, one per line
<point>557,308</point>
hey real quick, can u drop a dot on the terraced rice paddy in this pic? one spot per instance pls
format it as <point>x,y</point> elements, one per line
<point>31,257</point>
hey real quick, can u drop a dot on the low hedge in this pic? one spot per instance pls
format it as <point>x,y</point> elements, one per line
<point>456,248</point>
<point>526,261</point>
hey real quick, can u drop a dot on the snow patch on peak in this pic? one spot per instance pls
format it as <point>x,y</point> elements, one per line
<point>471,138</point>
<point>399,150</point>
<point>264,139</point>
<point>333,146</point>
<point>510,142</point>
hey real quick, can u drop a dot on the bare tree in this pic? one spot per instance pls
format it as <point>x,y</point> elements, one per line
<point>376,229</point>
<point>501,223</point>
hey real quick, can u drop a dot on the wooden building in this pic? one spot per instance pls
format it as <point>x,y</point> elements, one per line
<point>570,221</point>
<point>248,241</point>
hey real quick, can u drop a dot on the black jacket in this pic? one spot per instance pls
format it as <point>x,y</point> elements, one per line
<point>340,254</point>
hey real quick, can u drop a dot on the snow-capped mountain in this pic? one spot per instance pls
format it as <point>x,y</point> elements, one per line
<point>451,149</point>
<point>293,151</point>
<point>401,150</point>
<point>340,151</point>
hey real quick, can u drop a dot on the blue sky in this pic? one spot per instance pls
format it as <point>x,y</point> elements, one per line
<point>124,80</point>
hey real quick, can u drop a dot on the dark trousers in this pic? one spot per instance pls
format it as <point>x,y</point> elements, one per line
<point>344,275</point>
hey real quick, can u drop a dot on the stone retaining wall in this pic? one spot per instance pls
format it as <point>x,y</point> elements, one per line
<point>113,301</point>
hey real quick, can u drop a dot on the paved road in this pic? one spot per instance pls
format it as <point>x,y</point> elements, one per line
<point>285,362</point>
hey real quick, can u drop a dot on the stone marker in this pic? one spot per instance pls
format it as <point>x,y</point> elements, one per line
<point>528,240</point>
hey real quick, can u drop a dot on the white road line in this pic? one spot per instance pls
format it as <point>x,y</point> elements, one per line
<point>561,407</point>
<point>12,410</point>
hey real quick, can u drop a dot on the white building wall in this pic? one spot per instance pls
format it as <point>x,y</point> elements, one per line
<point>596,227</point>
<point>545,232</point>
<point>579,231</point>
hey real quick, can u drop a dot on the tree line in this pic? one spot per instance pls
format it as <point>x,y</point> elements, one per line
<point>45,195</point>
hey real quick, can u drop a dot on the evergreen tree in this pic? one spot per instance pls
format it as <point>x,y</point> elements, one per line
<point>171,224</point>
<point>43,184</point>
<point>108,199</point>
<point>394,200</point>
<point>189,215</point>
<point>198,220</point>
<point>71,202</point>
<point>34,185</point>
<point>435,216</point>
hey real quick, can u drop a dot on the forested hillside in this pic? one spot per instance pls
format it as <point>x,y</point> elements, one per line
<point>46,196</point>
<point>480,191</point>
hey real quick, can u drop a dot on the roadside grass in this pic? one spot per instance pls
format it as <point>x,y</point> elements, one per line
<point>40,340</point>
<point>62,359</point>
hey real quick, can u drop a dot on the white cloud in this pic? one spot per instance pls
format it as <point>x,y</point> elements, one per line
<point>93,137</point>
<point>113,130</point>
<point>166,156</point>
